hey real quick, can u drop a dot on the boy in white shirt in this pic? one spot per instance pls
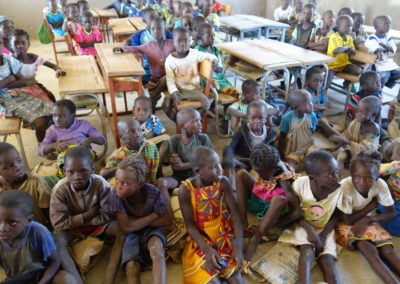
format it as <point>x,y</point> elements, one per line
<point>284,12</point>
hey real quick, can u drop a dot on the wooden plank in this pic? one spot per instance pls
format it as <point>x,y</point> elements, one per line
<point>121,27</point>
<point>305,56</point>
<point>393,33</point>
<point>82,76</point>
<point>105,13</point>
<point>248,22</point>
<point>258,56</point>
<point>114,65</point>
<point>138,23</point>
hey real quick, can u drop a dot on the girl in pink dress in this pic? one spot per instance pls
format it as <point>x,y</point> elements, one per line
<point>87,36</point>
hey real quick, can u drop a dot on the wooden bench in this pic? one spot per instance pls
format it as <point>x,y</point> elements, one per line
<point>105,15</point>
<point>138,23</point>
<point>122,29</point>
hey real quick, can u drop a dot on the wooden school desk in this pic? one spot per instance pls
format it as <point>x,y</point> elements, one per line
<point>105,15</point>
<point>251,23</point>
<point>114,66</point>
<point>264,59</point>
<point>138,23</point>
<point>121,29</point>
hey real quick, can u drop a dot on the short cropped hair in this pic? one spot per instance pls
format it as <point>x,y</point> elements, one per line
<point>199,155</point>
<point>68,104</point>
<point>145,99</point>
<point>183,114</point>
<point>313,162</point>
<point>20,32</point>
<point>256,105</point>
<point>264,156</point>
<point>180,30</point>
<point>367,76</point>
<point>313,70</point>
<point>78,152</point>
<point>373,103</point>
<point>203,27</point>
<point>249,85</point>
<point>297,97</point>
<point>17,199</point>
<point>6,147</point>
<point>137,165</point>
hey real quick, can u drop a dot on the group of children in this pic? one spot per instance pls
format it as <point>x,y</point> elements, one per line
<point>271,167</point>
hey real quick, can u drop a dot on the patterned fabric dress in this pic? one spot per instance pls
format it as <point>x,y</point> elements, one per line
<point>213,220</point>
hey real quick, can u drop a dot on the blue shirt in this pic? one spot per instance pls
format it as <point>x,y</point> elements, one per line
<point>290,116</point>
<point>136,11</point>
<point>54,18</point>
<point>321,99</point>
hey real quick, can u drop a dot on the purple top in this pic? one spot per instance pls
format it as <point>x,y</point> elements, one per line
<point>154,202</point>
<point>78,131</point>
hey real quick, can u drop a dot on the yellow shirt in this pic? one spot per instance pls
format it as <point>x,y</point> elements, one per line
<point>342,59</point>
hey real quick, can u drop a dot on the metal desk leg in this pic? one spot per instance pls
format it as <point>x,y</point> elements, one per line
<point>283,35</point>
<point>325,66</point>
<point>241,35</point>
<point>114,111</point>
<point>259,33</point>
<point>267,32</point>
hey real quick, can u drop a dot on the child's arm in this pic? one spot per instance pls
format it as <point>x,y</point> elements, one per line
<point>329,226</point>
<point>59,71</point>
<point>341,49</point>
<point>95,140</point>
<point>391,113</point>
<point>312,236</point>
<point>233,206</point>
<point>178,165</point>
<point>52,266</point>
<point>235,112</point>
<point>282,144</point>
<point>211,255</point>
<point>350,219</point>
<point>92,134</point>
<point>295,212</point>
<point>130,224</point>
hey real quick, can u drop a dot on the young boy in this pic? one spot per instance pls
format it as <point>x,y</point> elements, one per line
<point>183,80</point>
<point>141,213</point>
<point>55,18</point>
<point>14,176</point>
<point>27,250</point>
<point>133,144</point>
<point>78,208</point>
<point>304,30</point>
<point>284,12</point>
<point>150,124</point>
<point>358,33</point>
<point>318,193</point>
<point>315,85</point>
<point>383,45</point>
<point>341,47</point>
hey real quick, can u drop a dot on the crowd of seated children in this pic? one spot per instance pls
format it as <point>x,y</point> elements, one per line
<point>205,11</point>
<point>195,22</point>
<point>294,18</point>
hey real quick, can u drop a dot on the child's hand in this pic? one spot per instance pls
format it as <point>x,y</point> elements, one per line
<point>60,147</point>
<point>315,240</point>
<point>360,226</point>
<point>213,262</point>
<point>60,73</point>
<point>118,50</point>
<point>86,143</point>
<point>175,159</point>
<point>237,255</point>
<point>175,99</point>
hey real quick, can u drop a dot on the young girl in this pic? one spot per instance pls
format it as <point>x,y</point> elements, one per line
<point>30,64</point>
<point>6,29</point>
<point>87,36</point>
<point>215,232</point>
<point>270,196</point>
<point>318,193</point>
<point>360,230</point>
<point>55,18</point>
<point>303,31</point>
<point>67,130</point>
<point>320,38</point>
<point>72,24</point>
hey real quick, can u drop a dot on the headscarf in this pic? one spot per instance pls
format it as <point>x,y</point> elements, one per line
<point>4,18</point>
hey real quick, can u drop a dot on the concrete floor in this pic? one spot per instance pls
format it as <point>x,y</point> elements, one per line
<point>352,267</point>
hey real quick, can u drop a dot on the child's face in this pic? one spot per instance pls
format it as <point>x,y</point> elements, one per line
<point>298,4</point>
<point>373,84</point>
<point>73,12</point>
<point>257,118</point>
<point>305,106</point>
<point>316,81</point>
<point>186,11</point>
<point>78,171</point>
<point>87,23</point>
<point>177,8</point>
<point>83,8</point>
<point>62,117</point>
<point>307,14</point>
<point>6,29</point>
<point>358,22</point>
<point>126,183</point>
<point>207,37</point>
<point>142,111</point>
<point>345,26</point>
<point>329,19</point>
<point>364,112</point>
<point>11,166</point>
<point>363,177</point>
<point>157,30</point>
<point>252,95</point>
<point>181,42</point>
<point>212,170</point>
<point>193,126</point>
<point>186,23</point>
<point>285,4</point>
<point>12,224</point>
<point>384,25</point>
<point>53,5</point>
<point>328,176</point>
<point>20,44</point>
<point>131,134</point>
<point>149,17</point>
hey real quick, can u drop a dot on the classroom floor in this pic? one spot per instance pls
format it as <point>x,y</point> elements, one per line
<point>352,267</point>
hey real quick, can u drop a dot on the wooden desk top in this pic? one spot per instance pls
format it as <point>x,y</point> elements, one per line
<point>258,56</point>
<point>137,22</point>
<point>247,22</point>
<point>371,30</point>
<point>305,56</point>
<point>114,65</point>
<point>83,76</point>
<point>105,13</point>
<point>122,27</point>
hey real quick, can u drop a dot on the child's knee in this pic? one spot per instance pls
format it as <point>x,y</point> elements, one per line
<point>156,249</point>
<point>326,261</point>
<point>61,239</point>
<point>307,252</point>
<point>63,277</point>
<point>386,251</point>
<point>278,202</point>
<point>133,268</point>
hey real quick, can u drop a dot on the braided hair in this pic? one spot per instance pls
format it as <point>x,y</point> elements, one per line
<point>370,159</point>
<point>264,156</point>
<point>137,165</point>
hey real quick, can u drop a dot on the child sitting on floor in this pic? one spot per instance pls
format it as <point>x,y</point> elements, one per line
<point>141,213</point>
<point>394,118</point>
<point>205,43</point>
<point>363,131</point>
<point>72,24</point>
<point>180,147</point>
<point>156,52</point>
<point>215,233</point>
<point>182,71</point>
<point>133,144</point>
<point>384,46</point>
<point>257,130</point>
<point>67,130</point>
<point>269,197</point>
<point>315,80</point>
<point>370,85</point>
<point>284,12</point>
<point>341,47</point>
<point>14,176</point>
<point>88,36</point>
<point>297,128</point>
<point>302,33</point>
<point>320,38</point>
<point>318,195</point>
<point>27,250</point>
<point>358,33</point>
<point>79,208</point>
<point>55,18</point>
<point>360,230</point>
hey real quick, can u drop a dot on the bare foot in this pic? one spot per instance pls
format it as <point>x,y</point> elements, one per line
<point>250,249</point>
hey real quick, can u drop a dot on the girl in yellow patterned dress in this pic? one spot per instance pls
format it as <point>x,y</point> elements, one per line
<point>360,230</point>
<point>215,233</point>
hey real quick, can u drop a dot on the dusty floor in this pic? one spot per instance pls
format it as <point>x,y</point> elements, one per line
<point>352,267</point>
